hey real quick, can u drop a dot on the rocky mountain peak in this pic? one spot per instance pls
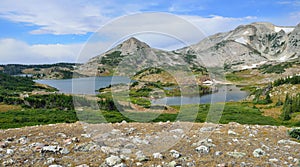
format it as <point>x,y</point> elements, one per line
<point>132,45</point>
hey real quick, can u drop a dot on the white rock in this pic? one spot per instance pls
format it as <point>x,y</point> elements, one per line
<point>10,151</point>
<point>113,160</point>
<point>235,140</point>
<point>62,135</point>
<point>175,154</point>
<point>288,142</point>
<point>139,164</point>
<point>231,132</point>
<point>258,153</point>
<point>177,131</point>
<point>202,149</point>
<point>83,165</point>
<point>120,165</point>
<point>158,156</point>
<point>49,160</point>
<point>86,135</point>
<point>218,153</point>
<point>140,156</point>
<point>55,166</point>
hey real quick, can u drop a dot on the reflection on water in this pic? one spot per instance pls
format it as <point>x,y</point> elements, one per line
<point>87,85</point>
<point>224,94</point>
<point>90,84</point>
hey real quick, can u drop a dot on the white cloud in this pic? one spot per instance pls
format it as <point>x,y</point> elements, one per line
<point>62,16</point>
<point>14,51</point>
<point>159,30</point>
<point>216,24</point>
<point>82,16</point>
<point>67,16</point>
<point>289,2</point>
<point>18,52</point>
<point>166,30</point>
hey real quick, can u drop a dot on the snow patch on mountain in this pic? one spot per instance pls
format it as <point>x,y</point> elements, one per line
<point>253,65</point>
<point>285,29</point>
<point>241,40</point>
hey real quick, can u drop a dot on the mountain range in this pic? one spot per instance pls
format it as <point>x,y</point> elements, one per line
<point>247,46</point>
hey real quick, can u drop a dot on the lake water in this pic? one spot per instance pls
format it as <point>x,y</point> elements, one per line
<point>225,93</point>
<point>89,86</point>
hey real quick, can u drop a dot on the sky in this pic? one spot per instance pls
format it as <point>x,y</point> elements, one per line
<point>51,31</point>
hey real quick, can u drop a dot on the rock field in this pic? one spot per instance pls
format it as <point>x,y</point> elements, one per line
<point>148,144</point>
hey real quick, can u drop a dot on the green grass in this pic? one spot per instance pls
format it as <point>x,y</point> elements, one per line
<point>233,112</point>
<point>233,77</point>
<point>20,118</point>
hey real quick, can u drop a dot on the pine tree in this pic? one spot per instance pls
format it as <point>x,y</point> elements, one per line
<point>287,108</point>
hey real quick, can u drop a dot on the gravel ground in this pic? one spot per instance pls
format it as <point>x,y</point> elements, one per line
<point>148,144</point>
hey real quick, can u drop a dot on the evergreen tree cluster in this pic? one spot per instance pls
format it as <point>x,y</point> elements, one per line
<point>291,105</point>
<point>289,80</point>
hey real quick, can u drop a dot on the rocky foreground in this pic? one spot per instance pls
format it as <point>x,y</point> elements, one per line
<point>148,144</point>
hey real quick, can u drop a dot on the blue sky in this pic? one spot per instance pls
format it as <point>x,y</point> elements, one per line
<point>50,31</point>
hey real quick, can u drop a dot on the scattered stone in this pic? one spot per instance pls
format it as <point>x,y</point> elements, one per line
<point>123,122</point>
<point>288,142</point>
<point>258,153</point>
<point>83,165</point>
<point>62,135</point>
<point>75,140</point>
<point>51,149</point>
<point>207,129</point>
<point>113,160</point>
<point>126,151</point>
<point>8,162</point>
<point>23,140</point>
<point>177,131</point>
<point>231,132</point>
<point>109,150</point>
<point>140,156</point>
<point>120,165</point>
<point>3,144</point>
<point>175,154</point>
<point>218,153</point>
<point>85,147</point>
<point>129,146</point>
<point>64,151</point>
<point>236,154</point>
<point>86,135</point>
<point>158,156</point>
<point>55,166</point>
<point>172,164</point>
<point>37,146</point>
<point>273,160</point>
<point>139,164</point>
<point>202,149</point>
<point>49,161</point>
<point>222,165</point>
<point>115,132</point>
<point>10,151</point>
<point>10,139</point>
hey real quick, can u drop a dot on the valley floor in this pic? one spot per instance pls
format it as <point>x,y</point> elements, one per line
<point>148,144</point>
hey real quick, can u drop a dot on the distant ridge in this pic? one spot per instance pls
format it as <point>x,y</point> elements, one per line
<point>247,46</point>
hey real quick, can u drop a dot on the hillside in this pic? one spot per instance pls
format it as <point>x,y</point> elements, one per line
<point>248,46</point>
<point>42,71</point>
<point>143,144</point>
